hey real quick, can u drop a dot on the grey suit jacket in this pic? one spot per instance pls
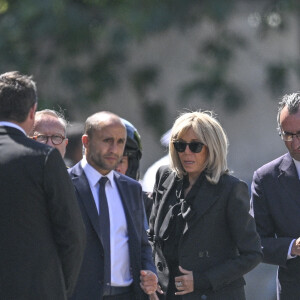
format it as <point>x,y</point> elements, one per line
<point>276,205</point>
<point>90,282</point>
<point>41,229</point>
<point>219,240</point>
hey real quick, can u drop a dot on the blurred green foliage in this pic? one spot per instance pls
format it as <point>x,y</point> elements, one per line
<point>83,45</point>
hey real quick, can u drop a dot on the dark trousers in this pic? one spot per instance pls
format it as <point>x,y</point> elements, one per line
<point>288,290</point>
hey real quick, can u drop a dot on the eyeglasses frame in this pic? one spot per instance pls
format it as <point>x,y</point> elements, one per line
<point>35,137</point>
<point>188,144</point>
<point>290,137</point>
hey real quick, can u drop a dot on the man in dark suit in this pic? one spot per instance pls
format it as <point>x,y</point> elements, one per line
<point>41,228</point>
<point>117,262</point>
<point>276,202</point>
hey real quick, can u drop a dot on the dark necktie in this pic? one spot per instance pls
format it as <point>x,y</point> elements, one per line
<point>104,229</point>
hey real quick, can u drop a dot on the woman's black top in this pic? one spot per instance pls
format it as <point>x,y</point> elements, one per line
<point>180,210</point>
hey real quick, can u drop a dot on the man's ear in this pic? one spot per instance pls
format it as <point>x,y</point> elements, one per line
<point>85,140</point>
<point>32,111</point>
<point>28,124</point>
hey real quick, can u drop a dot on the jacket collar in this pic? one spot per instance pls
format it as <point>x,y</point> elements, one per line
<point>82,187</point>
<point>288,178</point>
<point>12,130</point>
<point>81,184</point>
<point>208,195</point>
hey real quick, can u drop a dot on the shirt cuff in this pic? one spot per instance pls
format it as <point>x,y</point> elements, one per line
<point>289,255</point>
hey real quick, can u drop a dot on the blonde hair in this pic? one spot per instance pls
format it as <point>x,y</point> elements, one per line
<point>211,134</point>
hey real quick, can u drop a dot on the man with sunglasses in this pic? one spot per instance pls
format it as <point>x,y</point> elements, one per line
<point>276,202</point>
<point>50,128</point>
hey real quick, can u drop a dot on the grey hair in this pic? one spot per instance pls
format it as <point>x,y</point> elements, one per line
<point>211,134</point>
<point>59,115</point>
<point>292,102</point>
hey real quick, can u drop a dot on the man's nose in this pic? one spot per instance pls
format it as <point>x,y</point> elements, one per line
<point>114,147</point>
<point>49,142</point>
<point>296,142</point>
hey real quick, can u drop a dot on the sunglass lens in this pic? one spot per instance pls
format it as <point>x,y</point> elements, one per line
<point>180,146</point>
<point>196,147</point>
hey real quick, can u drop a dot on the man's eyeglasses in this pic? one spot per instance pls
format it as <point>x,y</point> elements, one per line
<point>195,147</point>
<point>55,139</point>
<point>288,137</point>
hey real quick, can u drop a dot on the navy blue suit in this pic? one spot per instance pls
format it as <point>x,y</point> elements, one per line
<point>90,282</point>
<point>276,204</point>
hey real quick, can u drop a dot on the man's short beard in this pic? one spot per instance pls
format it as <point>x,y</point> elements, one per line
<point>99,162</point>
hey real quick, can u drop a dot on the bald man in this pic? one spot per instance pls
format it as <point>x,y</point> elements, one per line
<point>50,128</point>
<point>117,262</point>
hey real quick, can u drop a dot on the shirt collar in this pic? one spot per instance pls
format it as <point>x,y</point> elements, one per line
<point>93,175</point>
<point>10,124</point>
<point>297,164</point>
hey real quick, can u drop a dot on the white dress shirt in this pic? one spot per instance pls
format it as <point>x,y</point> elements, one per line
<point>119,256</point>
<point>10,124</point>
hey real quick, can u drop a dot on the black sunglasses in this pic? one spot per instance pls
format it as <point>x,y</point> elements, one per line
<point>195,147</point>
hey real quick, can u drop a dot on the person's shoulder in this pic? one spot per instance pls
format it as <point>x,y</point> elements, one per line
<point>165,175</point>
<point>228,178</point>
<point>164,169</point>
<point>126,178</point>
<point>34,144</point>
<point>75,170</point>
<point>38,155</point>
<point>229,182</point>
<point>271,166</point>
<point>34,148</point>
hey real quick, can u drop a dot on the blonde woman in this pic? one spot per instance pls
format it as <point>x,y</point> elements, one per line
<point>203,238</point>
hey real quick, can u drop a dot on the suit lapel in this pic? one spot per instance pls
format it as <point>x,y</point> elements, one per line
<point>85,196</point>
<point>128,205</point>
<point>206,196</point>
<point>289,180</point>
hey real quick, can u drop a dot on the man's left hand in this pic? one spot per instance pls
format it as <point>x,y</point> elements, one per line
<point>184,283</point>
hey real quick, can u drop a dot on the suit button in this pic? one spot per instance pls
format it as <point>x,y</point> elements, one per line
<point>203,297</point>
<point>160,266</point>
<point>201,254</point>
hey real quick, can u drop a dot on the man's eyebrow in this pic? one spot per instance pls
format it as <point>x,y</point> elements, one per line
<point>287,132</point>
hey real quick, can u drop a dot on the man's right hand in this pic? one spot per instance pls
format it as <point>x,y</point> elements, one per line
<point>154,295</point>
<point>296,247</point>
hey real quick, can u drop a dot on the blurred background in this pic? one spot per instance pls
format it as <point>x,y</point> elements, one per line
<point>149,60</point>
